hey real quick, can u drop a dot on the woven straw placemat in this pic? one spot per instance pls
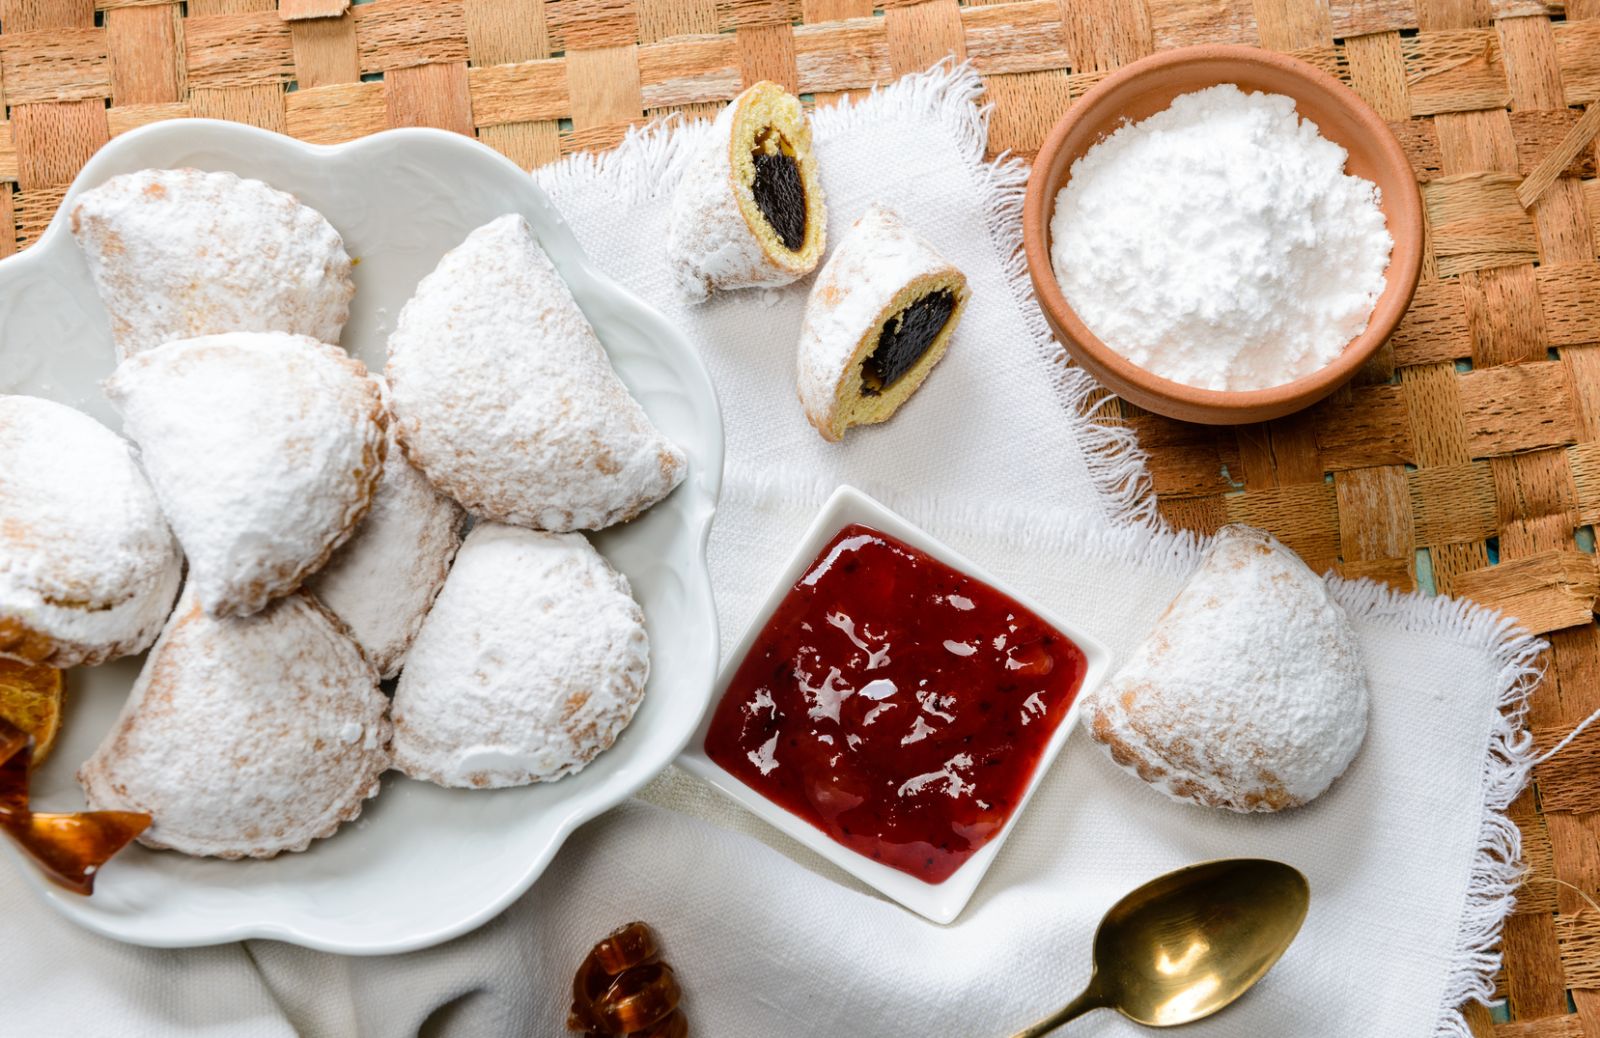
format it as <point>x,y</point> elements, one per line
<point>1466,459</point>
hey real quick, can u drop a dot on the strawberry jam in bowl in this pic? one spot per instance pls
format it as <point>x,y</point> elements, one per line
<point>892,708</point>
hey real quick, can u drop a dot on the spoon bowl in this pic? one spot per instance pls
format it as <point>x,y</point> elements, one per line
<point>1189,943</point>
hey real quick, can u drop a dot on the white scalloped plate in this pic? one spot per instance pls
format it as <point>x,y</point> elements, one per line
<point>422,864</point>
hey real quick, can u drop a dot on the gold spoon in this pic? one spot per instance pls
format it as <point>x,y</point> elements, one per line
<point>1189,943</point>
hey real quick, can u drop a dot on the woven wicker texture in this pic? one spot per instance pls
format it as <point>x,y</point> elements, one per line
<point>1467,457</point>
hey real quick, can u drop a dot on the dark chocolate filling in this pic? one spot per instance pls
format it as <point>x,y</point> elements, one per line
<point>905,338</point>
<point>780,194</point>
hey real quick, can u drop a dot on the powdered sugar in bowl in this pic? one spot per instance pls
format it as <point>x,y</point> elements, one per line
<point>1212,345</point>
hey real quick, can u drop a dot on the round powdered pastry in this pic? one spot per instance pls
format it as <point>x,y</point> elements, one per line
<point>179,253</point>
<point>508,403</point>
<point>263,449</point>
<point>880,316</point>
<point>749,211</point>
<point>88,568</point>
<point>1249,694</point>
<point>533,659</point>
<point>245,737</point>
<point>382,582</point>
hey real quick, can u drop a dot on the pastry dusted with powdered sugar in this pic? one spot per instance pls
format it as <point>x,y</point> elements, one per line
<point>180,253</point>
<point>1249,694</point>
<point>533,659</point>
<point>749,211</point>
<point>880,316</point>
<point>245,737</point>
<point>88,568</point>
<point>506,400</point>
<point>383,580</point>
<point>263,448</point>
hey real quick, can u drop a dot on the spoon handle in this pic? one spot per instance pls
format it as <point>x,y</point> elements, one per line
<point>1091,999</point>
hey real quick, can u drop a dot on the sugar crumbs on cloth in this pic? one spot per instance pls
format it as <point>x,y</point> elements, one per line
<point>1220,243</point>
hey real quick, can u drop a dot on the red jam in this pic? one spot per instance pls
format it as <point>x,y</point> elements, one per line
<point>896,704</point>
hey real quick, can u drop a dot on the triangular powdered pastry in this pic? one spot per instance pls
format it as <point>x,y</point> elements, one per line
<point>508,403</point>
<point>179,253</point>
<point>384,579</point>
<point>88,568</point>
<point>245,737</point>
<point>1249,694</point>
<point>263,449</point>
<point>532,661</point>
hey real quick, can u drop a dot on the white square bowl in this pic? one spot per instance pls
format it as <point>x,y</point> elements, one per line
<point>940,902</point>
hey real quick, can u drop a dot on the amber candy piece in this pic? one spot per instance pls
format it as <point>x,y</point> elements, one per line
<point>622,990</point>
<point>639,998</point>
<point>69,847</point>
<point>630,945</point>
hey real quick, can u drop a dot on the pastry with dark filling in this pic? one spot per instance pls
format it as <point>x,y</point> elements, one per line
<point>879,318</point>
<point>749,211</point>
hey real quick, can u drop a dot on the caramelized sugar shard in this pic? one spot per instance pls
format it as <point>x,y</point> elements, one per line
<point>70,848</point>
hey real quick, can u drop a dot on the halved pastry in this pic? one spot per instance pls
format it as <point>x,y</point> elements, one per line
<point>880,316</point>
<point>750,210</point>
<point>533,659</point>
<point>245,736</point>
<point>1249,694</point>
<point>263,448</point>
<point>179,253</point>
<point>88,568</point>
<point>506,400</point>
<point>383,580</point>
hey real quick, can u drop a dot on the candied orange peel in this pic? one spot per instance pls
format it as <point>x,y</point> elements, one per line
<point>30,698</point>
<point>623,990</point>
<point>69,848</point>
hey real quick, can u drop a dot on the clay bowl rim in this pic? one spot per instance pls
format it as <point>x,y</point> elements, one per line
<point>1216,406</point>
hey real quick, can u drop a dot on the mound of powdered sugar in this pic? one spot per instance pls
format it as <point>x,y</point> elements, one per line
<point>1219,243</point>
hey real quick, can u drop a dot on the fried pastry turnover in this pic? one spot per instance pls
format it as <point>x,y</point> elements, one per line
<point>88,567</point>
<point>382,582</point>
<point>532,661</point>
<point>507,401</point>
<point>180,253</point>
<point>245,736</point>
<point>264,450</point>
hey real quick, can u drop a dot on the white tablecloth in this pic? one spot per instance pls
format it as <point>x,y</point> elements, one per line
<point>1406,854</point>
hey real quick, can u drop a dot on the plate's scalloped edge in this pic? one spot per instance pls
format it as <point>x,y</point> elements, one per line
<point>707,483</point>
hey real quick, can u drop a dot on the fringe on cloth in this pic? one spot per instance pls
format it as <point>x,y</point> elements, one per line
<point>1129,527</point>
<point>651,156</point>
<point>1497,868</point>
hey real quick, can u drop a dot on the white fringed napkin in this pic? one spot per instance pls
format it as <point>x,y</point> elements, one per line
<point>1410,855</point>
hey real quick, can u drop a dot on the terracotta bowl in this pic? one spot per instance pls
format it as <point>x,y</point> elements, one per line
<point>1145,87</point>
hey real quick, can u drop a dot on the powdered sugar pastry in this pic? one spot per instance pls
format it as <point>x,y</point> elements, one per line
<point>533,659</point>
<point>506,400</point>
<point>88,568</point>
